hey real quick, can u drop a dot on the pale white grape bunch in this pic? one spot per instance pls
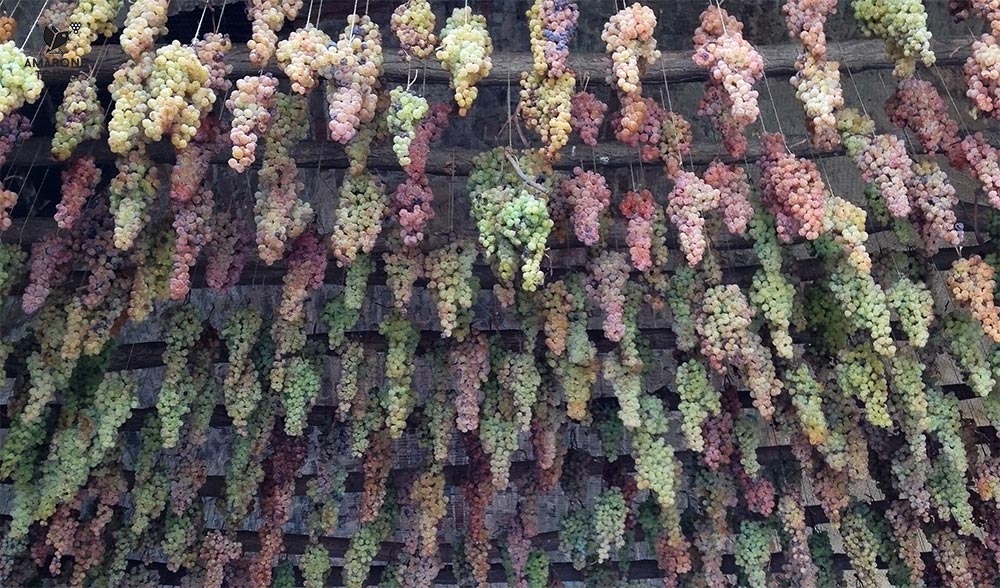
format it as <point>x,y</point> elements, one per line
<point>20,82</point>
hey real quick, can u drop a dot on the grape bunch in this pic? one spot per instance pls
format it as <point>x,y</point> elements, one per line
<point>792,189</point>
<point>413,22</point>
<point>212,49</point>
<point>687,204</point>
<point>726,338</point>
<point>933,199</point>
<point>363,204</point>
<point>587,193</point>
<point>179,94</point>
<point>546,106</point>
<point>464,52</point>
<point>21,82</point>
<point>639,208</point>
<point>279,214</point>
<point>805,20</point>
<point>90,19</point>
<point>400,397</point>
<point>428,131</point>
<point>552,24</point>
<point>752,552</point>
<point>844,222</point>
<point>406,111</point>
<point>969,352</point>
<point>864,303</point>
<point>266,19</point>
<point>902,25</point>
<point>353,80</point>
<point>79,118</point>
<point>606,281</point>
<point>403,267</point>
<point>734,195</point>
<point>79,181</point>
<point>304,56</point>
<point>817,87</point>
<point>453,287</point>
<point>216,552</point>
<point>468,362</point>
<point>771,292</point>
<point>586,115</point>
<point>514,227</point>
<point>343,312</point>
<point>231,236</point>
<point>971,284</point>
<point>734,66</point>
<point>241,386</point>
<point>859,372</point>
<point>131,192</point>
<point>163,93</point>
<point>608,523</point>
<point>884,163</point>
<point>698,400</point>
<point>11,271</point>
<point>7,27</point>
<point>146,20</point>
<point>251,103</point>
<point>306,268</point>
<point>630,43</point>
<point>183,329</point>
<point>547,90</point>
<point>674,141</point>
<point>555,305</point>
<point>498,432</point>
<point>916,105</point>
<point>983,89</point>
<point>984,159</point>
<point>411,208</point>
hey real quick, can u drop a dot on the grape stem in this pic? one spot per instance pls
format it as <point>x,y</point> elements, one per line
<point>517,169</point>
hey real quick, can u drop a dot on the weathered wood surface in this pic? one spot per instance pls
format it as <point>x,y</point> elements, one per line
<point>672,67</point>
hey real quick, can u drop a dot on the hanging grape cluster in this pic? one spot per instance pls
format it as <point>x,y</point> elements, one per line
<point>464,52</point>
<point>734,66</point>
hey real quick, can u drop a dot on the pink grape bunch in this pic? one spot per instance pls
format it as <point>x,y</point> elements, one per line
<point>916,105</point>
<point>586,115</point>
<point>734,66</point>
<point>587,193</point>
<point>639,207</point>
<point>251,103</point>
<point>630,43</point>
<point>353,83</point>
<point>792,189</point>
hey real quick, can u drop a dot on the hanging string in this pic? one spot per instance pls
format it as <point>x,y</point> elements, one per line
<point>34,24</point>
<point>906,135</point>
<point>21,145</point>
<point>319,13</point>
<point>218,23</point>
<point>670,107</point>
<point>850,73</point>
<point>200,21</point>
<point>354,13</point>
<point>951,98</point>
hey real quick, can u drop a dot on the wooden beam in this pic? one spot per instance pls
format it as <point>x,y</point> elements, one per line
<point>672,67</point>
<point>639,569</point>
<point>442,161</point>
<point>149,354</point>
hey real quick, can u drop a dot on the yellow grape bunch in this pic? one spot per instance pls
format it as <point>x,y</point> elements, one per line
<point>465,54</point>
